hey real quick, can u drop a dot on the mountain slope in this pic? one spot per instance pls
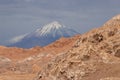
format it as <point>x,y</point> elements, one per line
<point>19,63</point>
<point>44,36</point>
<point>95,56</point>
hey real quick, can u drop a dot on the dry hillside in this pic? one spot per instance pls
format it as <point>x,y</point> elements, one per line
<point>95,56</point>
<point>23,64</point>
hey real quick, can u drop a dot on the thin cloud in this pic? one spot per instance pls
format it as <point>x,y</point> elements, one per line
<point>17,38</point>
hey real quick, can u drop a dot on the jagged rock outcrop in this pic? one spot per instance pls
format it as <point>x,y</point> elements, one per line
<point>95,56</point>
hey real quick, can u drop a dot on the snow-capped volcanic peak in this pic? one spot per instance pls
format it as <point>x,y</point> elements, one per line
<point>49,28</point>
<point>43,36</point>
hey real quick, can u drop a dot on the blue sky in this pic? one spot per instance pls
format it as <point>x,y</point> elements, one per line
<point>19,17</point>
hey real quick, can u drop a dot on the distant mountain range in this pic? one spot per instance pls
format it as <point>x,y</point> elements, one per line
<point>43,36</point>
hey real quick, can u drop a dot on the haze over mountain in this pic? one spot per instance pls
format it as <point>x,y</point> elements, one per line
<point>20,16</point>
<point>43,36</point>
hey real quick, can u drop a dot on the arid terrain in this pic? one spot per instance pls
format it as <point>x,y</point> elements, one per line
<point>24,64</point>
<point>94,55</point>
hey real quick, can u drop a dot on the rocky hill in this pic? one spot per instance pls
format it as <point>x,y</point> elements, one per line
<point>16,62</point>
<point>95,56</point>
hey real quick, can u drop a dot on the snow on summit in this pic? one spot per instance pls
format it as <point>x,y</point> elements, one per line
<point>49,27</point>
